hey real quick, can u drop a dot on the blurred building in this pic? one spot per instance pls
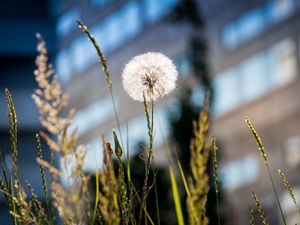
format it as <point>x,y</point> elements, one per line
<point>19,22</point>
<point>254,59</point>
<point>254,62</point>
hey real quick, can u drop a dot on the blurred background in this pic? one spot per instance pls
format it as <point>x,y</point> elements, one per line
<point>244,52</point>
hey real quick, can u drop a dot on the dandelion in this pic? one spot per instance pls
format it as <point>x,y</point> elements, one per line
<point>151,73</point>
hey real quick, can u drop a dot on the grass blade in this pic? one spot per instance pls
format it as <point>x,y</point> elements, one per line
<point>186,187</point>
<point>97,198</point>
<point>176,197</point>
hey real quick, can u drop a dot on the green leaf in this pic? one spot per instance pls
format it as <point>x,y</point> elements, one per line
<point>176,197</point>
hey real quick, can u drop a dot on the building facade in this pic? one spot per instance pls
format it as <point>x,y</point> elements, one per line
<point>254,59</point>
<point>254,62</point>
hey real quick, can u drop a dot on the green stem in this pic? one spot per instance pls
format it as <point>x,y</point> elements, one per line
<point>156,200</point>
<point>275,191</point>
<point>150,126</point>
<point>218,207</point>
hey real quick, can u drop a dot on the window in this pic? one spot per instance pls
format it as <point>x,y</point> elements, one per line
<point>83,54</point>
<point>119,27</point>
<point>230,35</point>
<point>255,79</point>
<point>227,91</point>
<point>66,22</point>
<point>251,24</point>
<point>256,21</point>
<point>282,62</point>
<point>93,115</point>
<point>130,21</point>
<point>100,3</point>
<point>100,33</point>
<point>155,9</point>
<point>292,151</point>
<point>63,65</point>
<point>240,172</point>
<point>257,75</point>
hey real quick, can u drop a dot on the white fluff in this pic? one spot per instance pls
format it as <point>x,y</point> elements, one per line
<point>148,70</point>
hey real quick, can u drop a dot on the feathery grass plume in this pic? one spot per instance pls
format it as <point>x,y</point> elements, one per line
<point>12,131</point>
<point>260,210</point>
<point>264,156</point>
<point>251,216</point>
<point>288,188</point>
<point>216,177</point>
<point>124,201</point>
<point>51,102</point>
<point>198,181</point>
<point>108,197</point>
<point>59,197</point>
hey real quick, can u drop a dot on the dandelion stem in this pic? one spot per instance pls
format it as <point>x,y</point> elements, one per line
<point>150,156</point>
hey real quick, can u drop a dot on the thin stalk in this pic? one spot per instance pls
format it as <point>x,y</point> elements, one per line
<point>13,202</point>
<point>275,191</point>
<point>150,156</point>
<point>156,202</point>
<point>216,177</point>
<point>96,199</point>
<point>102,59</point>
<point>42,172</point>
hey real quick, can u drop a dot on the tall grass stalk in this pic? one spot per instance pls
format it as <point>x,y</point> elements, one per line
<point>264,156</point>
<point>103,61</point>
<point>96,198</point>
<point>216,177</point>
<point>150,156</point>
<point>45,189</point>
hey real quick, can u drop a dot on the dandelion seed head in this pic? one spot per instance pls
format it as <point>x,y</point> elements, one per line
<point>151,73</point>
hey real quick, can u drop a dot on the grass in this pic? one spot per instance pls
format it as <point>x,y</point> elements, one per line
<point>116,196</point>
